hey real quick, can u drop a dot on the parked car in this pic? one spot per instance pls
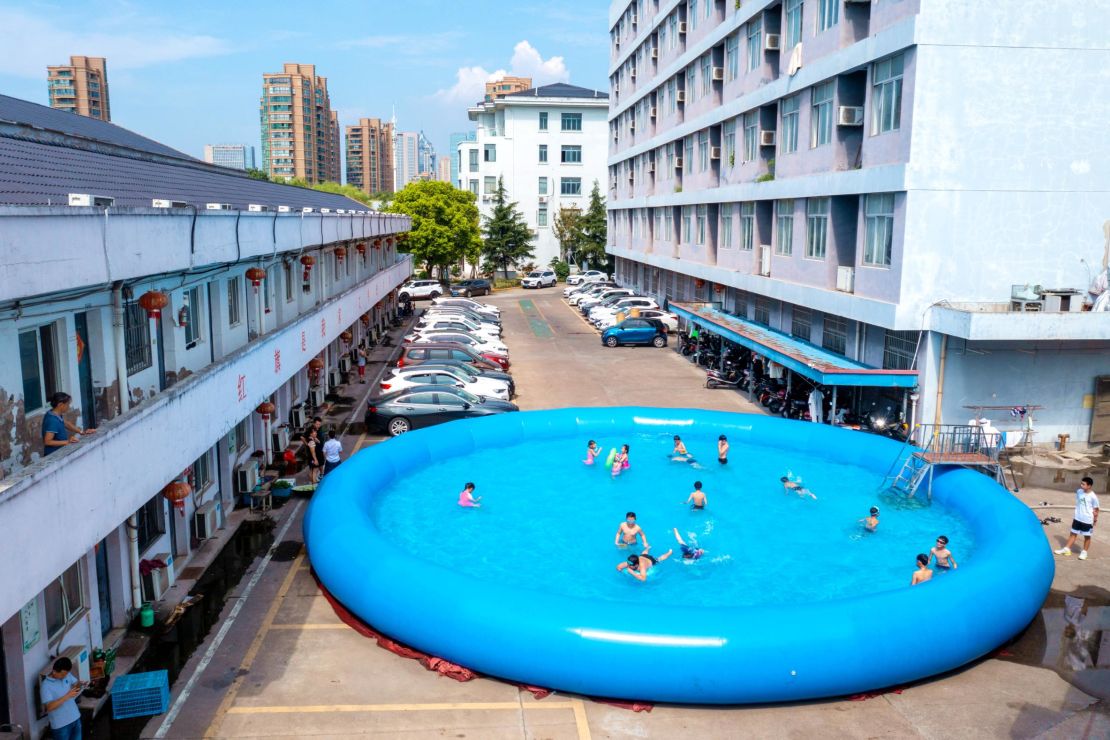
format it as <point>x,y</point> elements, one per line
<point>414,354</point>
<point>636,331</point>
<point>418,289</point>
<point>590,292</point>
<point>463,367</point>
<point>478,341</point>
<point>427,405</point>
<point>588,276</point>
<point>475,286</point>
<point>621,305</point>
<point>456,323</point>
<point>500,361</point>
<point>545,278</point>
<point>572,290</point>
<point>587,303</point>
<point>669,319</point>
<point>405,378</point>
<point>470,313</point>
<point>482,308</point>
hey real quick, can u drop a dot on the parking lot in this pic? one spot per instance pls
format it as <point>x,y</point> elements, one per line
<point>287,666</point>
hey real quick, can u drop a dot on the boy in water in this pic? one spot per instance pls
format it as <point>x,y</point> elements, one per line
<point>467,498</point>
<point>871,523</point>
<point>689,552</point>
<point>942,554</point>
<point>679,453</point>
<point>922,573</point>
<point>722,450</point>
<point>628,531</point>
<point>638,566</point>
<point>797,487</point>
<point>697,499</point>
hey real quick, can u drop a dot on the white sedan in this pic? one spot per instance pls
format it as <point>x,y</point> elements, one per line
<point>669,319</point>
<point>481,342</point>
<point>624,305</point>
<point>407,377</point>
<point>588,276</point>
<point>457,323</point>
<point>473,305</point>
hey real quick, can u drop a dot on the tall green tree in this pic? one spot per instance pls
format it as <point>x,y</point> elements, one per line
<point>568,230</point>
<point>594,232</point>
<point>508,238</point>
<point>444,224</point>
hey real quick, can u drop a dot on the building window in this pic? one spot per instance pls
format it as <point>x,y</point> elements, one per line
<point>668,223</point>
<point>702,212</point>
<point>691,83</point>
<point>473,154</point>
<point>543,120</point>
<point>571,121</point>
<point>821,114</point>
<point>817,227</point>
<point>899,349</point>
<point>65,600</point>
<point>202,473</point>
<point>726,225</point>
<point>136,337</point>
<point>784,223</point>
<point>703,150</point>
<point>834,336</point>
<point>192,325</point>
<point>706,74</point>
<point>751,135</point>
<point>828,13</point>
<point>669,151</point>
<point>238,438</point>
<point>489,152</point>
<point>570,154</point>
<point>233,301</point>
<point>287,280</point>
<point>793,23</point>
<point>730,141</point>
<point>762,311</point>
<point>543,186</point>
<point>489,184</point>
<point>755,42</point>
<point>747,226</point>
<point>879,237</point>
<point>543,153</point>
<point>541,217</point>
<point>473,185</point>
<point>692,13</point>
<point>570,186</point>
<point>732,57</point>
<point>886,95</point>
<point>800,321</point>
<point>151,520</point>
<point>688,161</point>
<point>687,224</point>
<point>671,95</point>
<point>789,112</point>
<point>38,359</point>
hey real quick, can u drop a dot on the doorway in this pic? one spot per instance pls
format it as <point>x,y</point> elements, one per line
<point>84,371</point>
<point>103,587</point>
<point>1100,418</point>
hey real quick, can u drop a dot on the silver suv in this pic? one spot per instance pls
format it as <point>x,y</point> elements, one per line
<point>540,279</point>
<point>417,289</point>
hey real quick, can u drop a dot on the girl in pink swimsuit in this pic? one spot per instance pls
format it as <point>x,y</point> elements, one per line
<point>592,451</point>
<point>468,499</point>
<point>620,462</point>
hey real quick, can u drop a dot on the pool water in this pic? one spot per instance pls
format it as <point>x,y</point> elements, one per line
<point>548,522</point>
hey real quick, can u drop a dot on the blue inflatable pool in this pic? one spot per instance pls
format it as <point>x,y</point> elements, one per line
<point>675,652</point>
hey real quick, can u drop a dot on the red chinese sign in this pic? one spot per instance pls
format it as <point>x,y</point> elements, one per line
<point>242,387</point>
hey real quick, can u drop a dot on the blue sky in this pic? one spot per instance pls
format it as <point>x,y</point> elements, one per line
<point>189,74</point>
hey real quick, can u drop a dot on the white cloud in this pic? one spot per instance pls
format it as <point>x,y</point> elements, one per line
<point>32,43</point>
<point>526,61</point>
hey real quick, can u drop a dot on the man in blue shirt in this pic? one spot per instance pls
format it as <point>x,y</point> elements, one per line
<point>59,694</point>
<point>55,429</point>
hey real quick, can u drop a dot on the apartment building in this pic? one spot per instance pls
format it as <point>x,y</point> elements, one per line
<point>456,155</point>
<point>443,168</point>
<point>406,157</point>
<point>875,190</point>
<point>370,155</point>
<point>80,87</point>
<point>236,156</point>
<point>548,144</point>
<point>300,131</point>
<point>506,86</point>
<point>175,301</point>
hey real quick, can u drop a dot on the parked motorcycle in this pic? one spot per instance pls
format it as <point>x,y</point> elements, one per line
<point>730,377</point>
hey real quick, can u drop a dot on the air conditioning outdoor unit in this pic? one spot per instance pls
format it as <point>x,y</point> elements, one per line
<point>345,364</point>
<point>334,377</point>
<point>306,210</point>
<point>325,210</point>
<point>164,203</point>
<point>486,196</point>
<point>89,200</point>
<point>765,260</point>
<point>543,199</point>
<point>616,89</point>
<point>284,209</point>
<point>79,656</point>
<point>846,279</point>
<point>849,115</point>
<point>279,439</point>
<point>653,111</point>
<point>678,163</point>
<point>158,581</point>
<point>635,19</point>
<point>341,210</point>
<point>299,416</point>
<point>218,206</point>
<point>680,96</point>
<point>772,42</point>
<point>718,73</point>
<point>655,53</point>
<point>714,152</point>
<point>206,520</point>
<point>766,138</point>
<point>651,168</point>
<point>257,208</point>
<point>632,126</point>
<point>316,396</point>
<point>682,27</point>
<point>246,476</point>
<point>632,73</point>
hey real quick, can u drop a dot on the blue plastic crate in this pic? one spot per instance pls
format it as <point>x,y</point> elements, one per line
<point>140,694</point>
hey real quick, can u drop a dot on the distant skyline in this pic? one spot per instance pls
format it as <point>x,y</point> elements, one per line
<point>192,76</point>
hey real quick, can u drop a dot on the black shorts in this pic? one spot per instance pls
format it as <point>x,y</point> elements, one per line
<point>1083,528</point>
<point>722,460</point>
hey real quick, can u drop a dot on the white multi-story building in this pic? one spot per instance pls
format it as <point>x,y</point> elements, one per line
<point>236,156</point>
<point>406,158</point>
<point>549,145</point>
<point>173,397</point>
<point>871,193</point>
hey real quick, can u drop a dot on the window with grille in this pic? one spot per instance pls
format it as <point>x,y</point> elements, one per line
<point>817,227</point>
<point>202,473</point>
<point>136,337</point>
<point>747,226</point>
<point>899,349</point>
<point>762,311</point>
<point>801,323</point>
<point>151,522</point>
<point>835,334</point>
<point>234,301</point>
<point>784,227</point>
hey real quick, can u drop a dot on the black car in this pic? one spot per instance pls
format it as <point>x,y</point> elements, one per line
<point>467,288</point>
<point>428,405</point>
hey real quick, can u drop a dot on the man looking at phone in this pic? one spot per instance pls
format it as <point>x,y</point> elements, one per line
<point>59,697</point>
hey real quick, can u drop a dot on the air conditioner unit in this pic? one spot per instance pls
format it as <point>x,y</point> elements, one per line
<point>89,200</point>
<point>316,396</point>
<point>345,364</point>
<point>655,53</point>
<point>218,206</point>
<point>632,126</point>
<point>158,581</point>
<point>766,138</point>
<point>543,199</point>
<point>325,210</point>
<point>299,416</point>
<point>632,73</point>
<point>306,210</point>
<point>765,260</point>
<point>334,377</point>
<point>849,115</point>
<point>341,210</point>
<point>714,152</point>
<point>206,520</point>
<point>487,196</point>
<point>678,163</point>
<point>246,476</point>
<point>284,209</point>
<point>257,208</point>
<point>772,42</point>
<point>653,111</point>
<point>846,279</point>
<point>79,656</point>
<point>635,19</point>
<point>651,168</point>
<point>279,438</point>
<point>681,27</point>
<point>631,176</point>
<point>616,89</point>
<point>163,203</point>
<point>718,73</point>
<point>680,96</point>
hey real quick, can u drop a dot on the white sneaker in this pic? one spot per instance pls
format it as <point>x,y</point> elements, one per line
<point>1062,551</point>
<point>1083,555</point>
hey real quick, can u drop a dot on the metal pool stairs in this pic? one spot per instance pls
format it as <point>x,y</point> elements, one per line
<point>965,445</point>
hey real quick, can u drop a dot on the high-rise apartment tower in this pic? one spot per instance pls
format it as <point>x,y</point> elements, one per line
<point>370,155</point>
<point>81,87</point>
<point>300,131</point>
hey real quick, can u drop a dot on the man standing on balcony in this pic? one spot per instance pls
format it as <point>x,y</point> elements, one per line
<point>55,429</point>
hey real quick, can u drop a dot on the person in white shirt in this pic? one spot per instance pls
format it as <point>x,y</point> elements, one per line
<point>1086,517</point>
<point>332,450</point>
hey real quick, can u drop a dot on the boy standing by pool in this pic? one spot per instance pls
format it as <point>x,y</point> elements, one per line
<point>628,531</point>
<point>1086,517</point>
<point>697,499</point>
<point>722,450</point>
<point>943,554</point>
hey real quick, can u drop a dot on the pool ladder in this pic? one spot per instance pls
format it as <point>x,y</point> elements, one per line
<point>945,444</point>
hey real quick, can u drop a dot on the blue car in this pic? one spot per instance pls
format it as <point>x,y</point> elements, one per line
<point>636,331</point>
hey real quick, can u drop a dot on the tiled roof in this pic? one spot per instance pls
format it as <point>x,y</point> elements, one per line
<point>559,90</point>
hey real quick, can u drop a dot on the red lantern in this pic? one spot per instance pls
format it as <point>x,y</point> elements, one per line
<point>389,242</point>
<point>256,275</point>
<point>153,301</point>
<point>266,409</point>
<point>699,283</point>
<point>346,337</point>
<point>308,261</point>
<point>365,319</point>
<point>340,253</point>
<point>361,247</point>
<point>176,493</point>
<point>377,244</point>
<point>315,365</point>
<point>717,288</point>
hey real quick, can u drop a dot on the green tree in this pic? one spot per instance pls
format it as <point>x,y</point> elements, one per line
<point>444,224</point>
<point>508,238</point>
<point>594,232</point>
<point>349,191</point>
<point>256,174</point>
<point>568,230</point>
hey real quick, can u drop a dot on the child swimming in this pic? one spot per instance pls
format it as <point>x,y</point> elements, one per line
<point>697,499</point>
<point>468,499</point>
<point>620,461</point>
<point>943,555</point>
<point>689,552</point>
<point>722,450</point>
<point>922,573</point>
<point>871,522</point>
<point>796,487</point>
<point>638,566</point>
<point>592,451</point>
